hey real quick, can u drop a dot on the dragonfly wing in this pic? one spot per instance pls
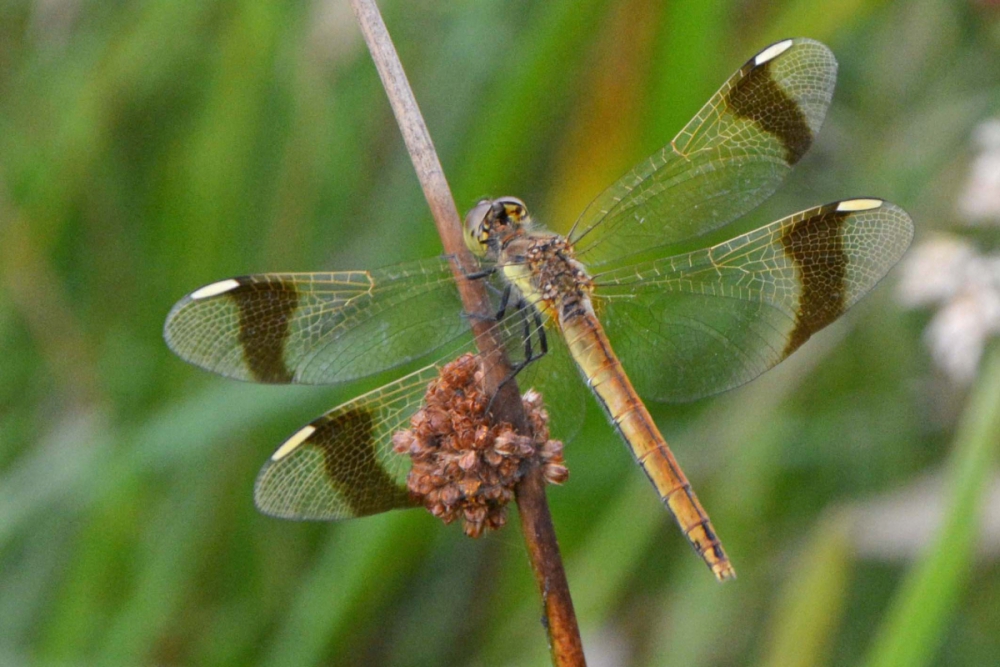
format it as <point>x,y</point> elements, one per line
<point>699,323</point>
<point>317,328</point>
<point>731,156</point>
<point>342,465</point>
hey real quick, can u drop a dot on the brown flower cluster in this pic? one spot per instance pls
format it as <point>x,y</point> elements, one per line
<point>463,466</point>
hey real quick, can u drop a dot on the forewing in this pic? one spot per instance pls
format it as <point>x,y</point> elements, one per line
<point>700,323</point>
<point>317,328</point>
<point>731,156</point>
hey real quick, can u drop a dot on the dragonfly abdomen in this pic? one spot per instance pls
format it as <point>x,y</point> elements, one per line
<point>592,351</point>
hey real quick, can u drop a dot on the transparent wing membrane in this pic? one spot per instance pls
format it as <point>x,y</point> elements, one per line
<point>318,328</point>
<point>700,323</point>
<point>731,156</point>
<point>341,465</point>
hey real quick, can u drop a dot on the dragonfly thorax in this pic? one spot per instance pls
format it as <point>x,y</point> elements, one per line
<point>543,266</point>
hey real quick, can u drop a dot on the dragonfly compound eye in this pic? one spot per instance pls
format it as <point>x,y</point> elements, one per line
<point>512,208</point>
<point>477,226</point>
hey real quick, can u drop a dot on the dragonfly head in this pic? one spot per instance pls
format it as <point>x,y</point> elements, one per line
<point>491,222</point>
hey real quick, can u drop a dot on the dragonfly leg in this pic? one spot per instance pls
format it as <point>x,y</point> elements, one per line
<point>543,342</point>
<point>475,275</point>
<point>532,321</point>
<point>528,352</point>
<point>504,299</point>
<point>478,275</point>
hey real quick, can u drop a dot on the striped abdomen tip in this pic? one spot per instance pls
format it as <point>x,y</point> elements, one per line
<point>723,571</point>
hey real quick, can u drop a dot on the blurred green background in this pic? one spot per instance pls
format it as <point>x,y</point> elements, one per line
<point>148,148</point>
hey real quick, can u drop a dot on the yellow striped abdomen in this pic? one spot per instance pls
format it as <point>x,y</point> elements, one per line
<point>593,354</point>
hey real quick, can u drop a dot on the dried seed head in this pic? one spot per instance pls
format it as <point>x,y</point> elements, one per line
<point>464,467</point>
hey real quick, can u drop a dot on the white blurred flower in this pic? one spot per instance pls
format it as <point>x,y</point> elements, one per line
<point>52,22</point>
<point>980,200</point>
<point>950,273</point>
<point>333,36</point>
<point>933,271</point>
<point>608,646</point>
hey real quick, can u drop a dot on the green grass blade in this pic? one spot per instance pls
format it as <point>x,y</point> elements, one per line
<point>919,617</point>
<point>809,609</point>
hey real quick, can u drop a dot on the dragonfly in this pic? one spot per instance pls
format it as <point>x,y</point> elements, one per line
<point>621,305</point>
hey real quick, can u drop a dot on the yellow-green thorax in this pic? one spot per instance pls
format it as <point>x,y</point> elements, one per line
<point>543,267</point>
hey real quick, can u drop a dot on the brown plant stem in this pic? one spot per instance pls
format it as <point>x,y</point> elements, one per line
<point>536,522</point>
